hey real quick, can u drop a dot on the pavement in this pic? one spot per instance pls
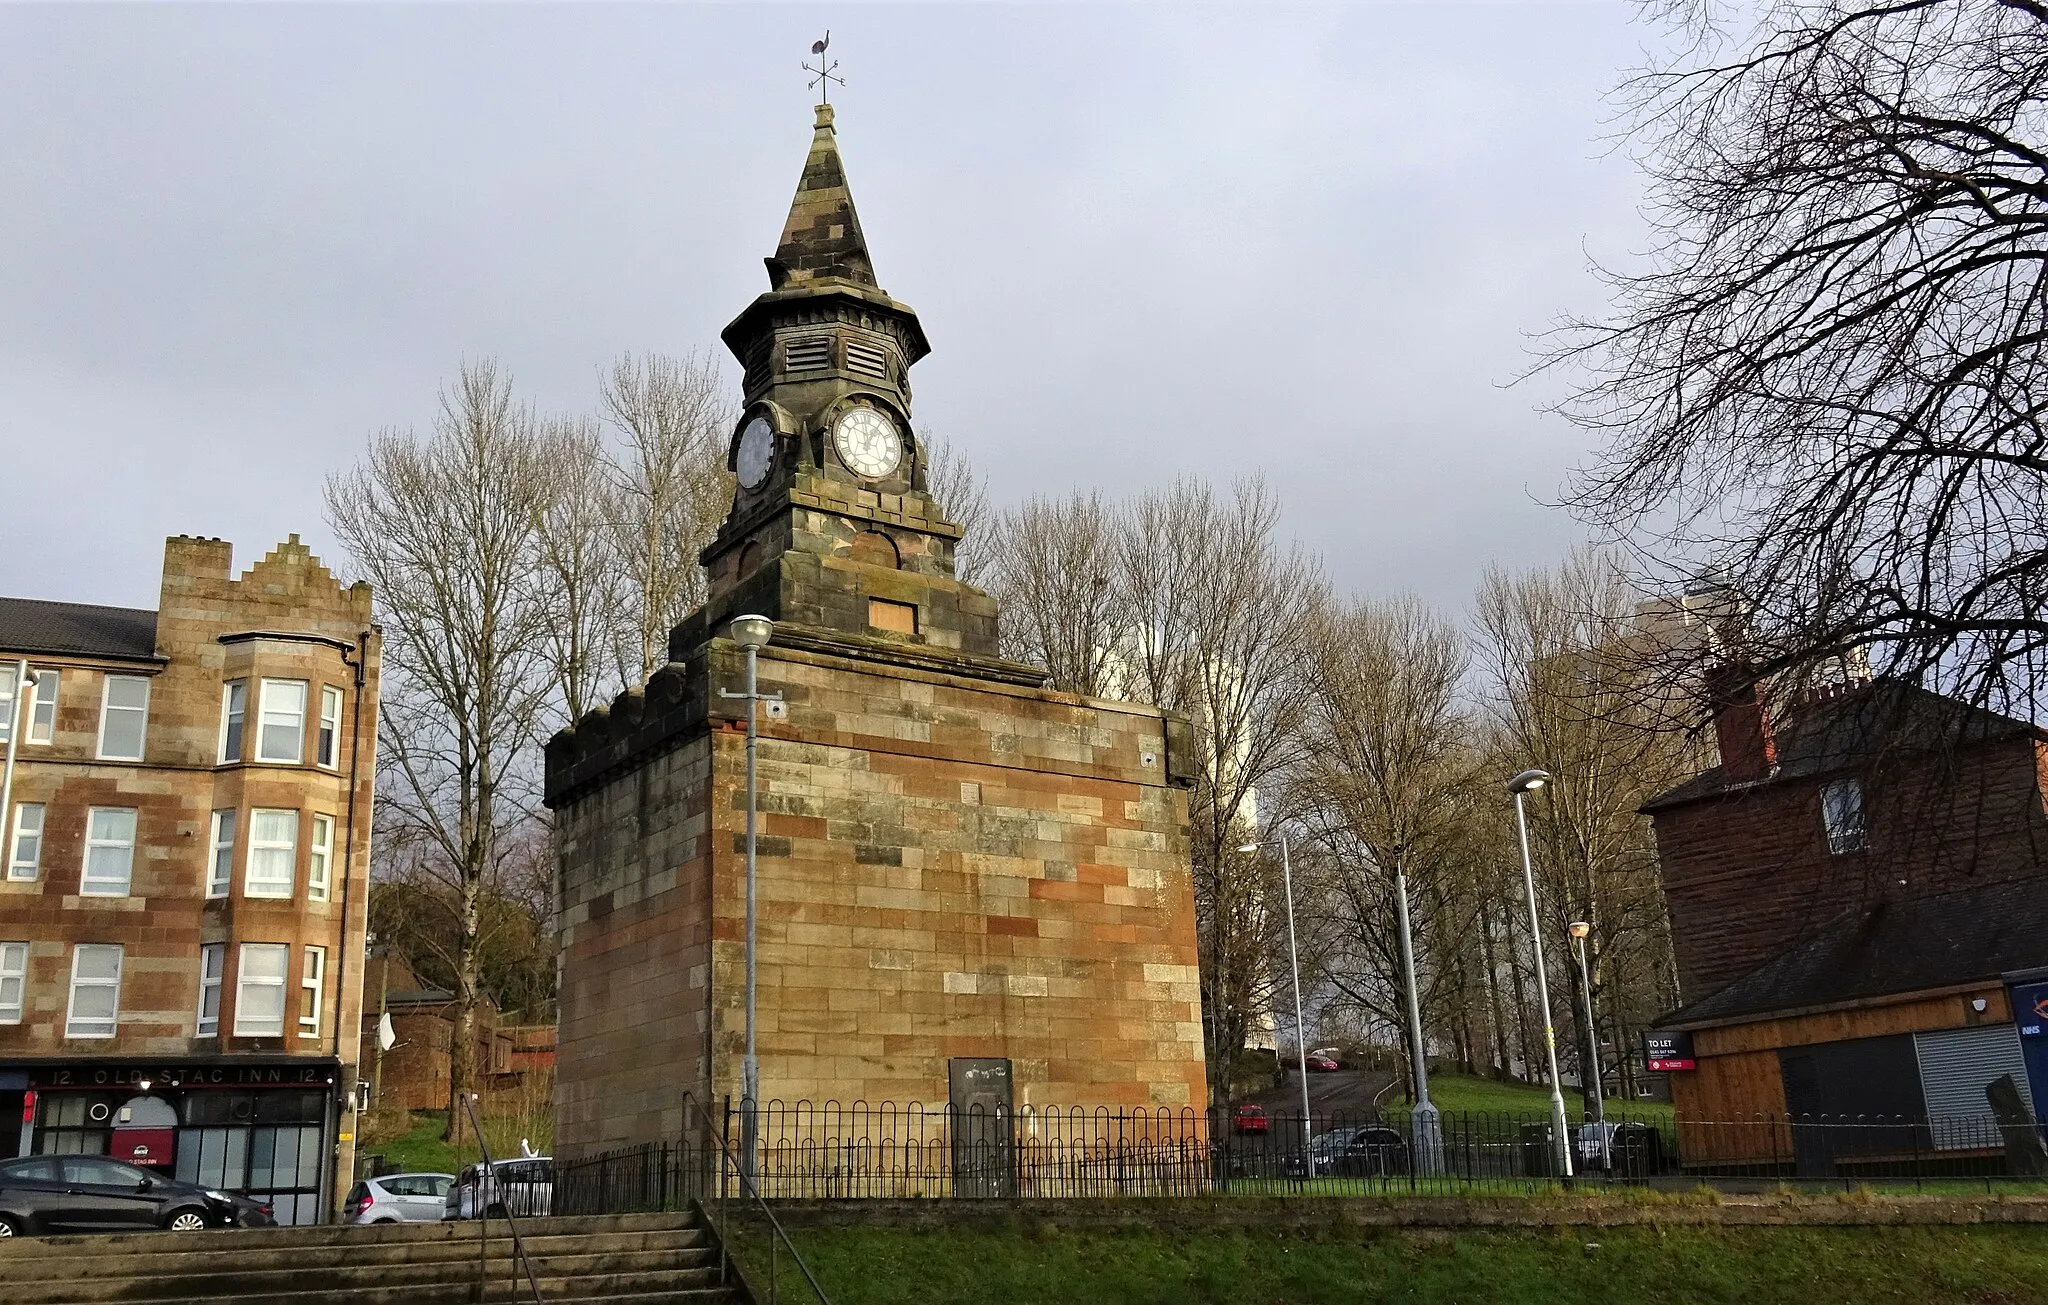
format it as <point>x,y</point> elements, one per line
<point>1346,1092</point>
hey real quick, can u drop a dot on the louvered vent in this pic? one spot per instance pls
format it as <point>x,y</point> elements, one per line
<point>867,358</point>
<point>757,364</point>
<point>809,354</point>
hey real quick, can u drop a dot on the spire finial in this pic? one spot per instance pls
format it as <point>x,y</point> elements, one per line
<point>822,76</point>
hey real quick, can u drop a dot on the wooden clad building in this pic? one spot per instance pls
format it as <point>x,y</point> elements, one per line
<point>1855,894</point>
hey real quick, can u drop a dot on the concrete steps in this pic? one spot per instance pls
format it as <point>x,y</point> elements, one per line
<point>664,1259</point>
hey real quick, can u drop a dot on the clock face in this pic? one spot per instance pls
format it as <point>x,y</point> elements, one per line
<point>757,453</point>
<point>868,442</point>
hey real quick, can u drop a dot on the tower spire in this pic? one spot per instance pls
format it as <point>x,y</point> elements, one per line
<point>821,241</point>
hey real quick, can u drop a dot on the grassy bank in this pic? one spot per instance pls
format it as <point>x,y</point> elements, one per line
<point>1039,1264</point>
<point>1461,1093</point>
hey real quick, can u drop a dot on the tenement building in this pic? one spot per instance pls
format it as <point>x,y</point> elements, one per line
<point>187,797</point>
<point>971,888</point>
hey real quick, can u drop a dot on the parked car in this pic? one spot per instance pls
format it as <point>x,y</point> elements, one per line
<point>398,1198</point>
<point>93,1193</point>
<point>525,1186</point>
<point>1374,1151</point>
<point>1249,1119</point>
<point>1318,1063</point>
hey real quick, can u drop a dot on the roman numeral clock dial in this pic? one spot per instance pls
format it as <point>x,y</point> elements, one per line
<point>868,442</point>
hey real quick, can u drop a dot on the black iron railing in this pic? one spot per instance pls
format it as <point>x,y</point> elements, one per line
<point>510,1198</point>
<point>865,1152</point>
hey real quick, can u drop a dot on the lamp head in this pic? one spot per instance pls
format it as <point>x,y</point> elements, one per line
<point>752,632</point>
<point>1249,847</point>
<point>1578,928</point>
<point>1528,781</point>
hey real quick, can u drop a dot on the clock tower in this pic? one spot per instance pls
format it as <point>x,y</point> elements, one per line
<point>833,532</point>
<point>965,882</point>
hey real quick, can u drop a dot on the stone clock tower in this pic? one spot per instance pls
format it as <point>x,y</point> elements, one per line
<point>833,527</point>
<point>964,877</point>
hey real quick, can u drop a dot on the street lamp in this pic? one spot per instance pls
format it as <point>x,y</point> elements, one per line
<point>1578,929</point>
<point>751,633</point>
<point>1526,782</point>
<point>1300,1028</point>
<point>24,694</point>
<point>1424,1121</point>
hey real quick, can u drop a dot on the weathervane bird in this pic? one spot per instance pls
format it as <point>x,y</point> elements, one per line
<point>823,74</point>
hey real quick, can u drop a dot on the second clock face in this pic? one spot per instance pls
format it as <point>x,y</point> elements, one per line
<point>757,453</point>
<point>868,442</point>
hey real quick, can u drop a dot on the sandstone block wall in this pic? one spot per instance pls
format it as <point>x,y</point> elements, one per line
<point>948,868</point>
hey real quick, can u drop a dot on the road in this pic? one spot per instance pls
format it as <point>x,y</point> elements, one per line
<point>1347,1092</point>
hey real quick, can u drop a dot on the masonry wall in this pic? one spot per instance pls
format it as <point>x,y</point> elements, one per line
<point>948,868</point>
<point>1749,873</point>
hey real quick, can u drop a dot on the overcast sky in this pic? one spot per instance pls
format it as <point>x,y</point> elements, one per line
<point>1144,240</point>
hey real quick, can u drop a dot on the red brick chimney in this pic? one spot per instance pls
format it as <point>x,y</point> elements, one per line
<point>1742,725</point>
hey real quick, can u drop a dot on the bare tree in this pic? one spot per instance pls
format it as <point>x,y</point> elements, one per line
<point>672,487</point>
<point>1829,380</point>
<point>1209,612</point>
<point>962,494</point>
<point>1384,785</point>
<point>586,612</point>
<point>1566,692</point>
<point>1054,570</point>
<point>446,530</point>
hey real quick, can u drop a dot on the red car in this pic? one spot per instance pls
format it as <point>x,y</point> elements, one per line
<point>1249,1119</point>
<point>1320,1064</point>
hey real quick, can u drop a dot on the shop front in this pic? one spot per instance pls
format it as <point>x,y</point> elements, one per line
<point>261,1127</point>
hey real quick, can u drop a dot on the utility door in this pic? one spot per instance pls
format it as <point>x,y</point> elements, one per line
<point>984,1129</point>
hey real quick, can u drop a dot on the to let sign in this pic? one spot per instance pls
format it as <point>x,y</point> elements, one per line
<point>1668,1049</point>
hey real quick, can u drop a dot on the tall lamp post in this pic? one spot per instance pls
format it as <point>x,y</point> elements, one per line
<point>1300,1029</point>
<point>1595,1093</point>
<point>751,633</point>
<point>1528,781</point>
<point>1423,1120</point>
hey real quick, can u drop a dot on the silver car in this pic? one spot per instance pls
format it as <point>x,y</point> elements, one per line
<point>525,1186</point>
<point>398,1198</point>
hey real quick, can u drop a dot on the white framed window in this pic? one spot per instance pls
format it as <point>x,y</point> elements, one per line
<point>282,732</point>
<point>13,980</point>
<point>220,863</point>
<point>212,958</point>
<point>124,715</point>
<point>42,716</point>
<point>259,990</point>
<point>25,849</point>
<point>9,679</point>
<point>330,727</point>
<point>1841,814</point>
<point>319,857</point>
<point>312,977</point>
<point>234,713</point>
<point>273,853</point>
<point>95,991</point>
<point>109,852</point>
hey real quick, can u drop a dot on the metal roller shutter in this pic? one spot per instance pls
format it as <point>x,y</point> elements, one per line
<point>1956,1065</point>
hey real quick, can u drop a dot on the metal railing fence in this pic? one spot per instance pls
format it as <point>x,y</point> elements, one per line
<point>861,1151</point>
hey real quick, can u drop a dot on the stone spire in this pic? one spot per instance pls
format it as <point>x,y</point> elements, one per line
<point>822,239</point>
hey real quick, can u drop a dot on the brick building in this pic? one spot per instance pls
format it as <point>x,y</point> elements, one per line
<point>186,848</point>
<point>964,877</point>
<point>1856,894</point>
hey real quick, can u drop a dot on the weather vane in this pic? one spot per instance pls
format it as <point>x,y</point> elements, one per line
<point>822,75</point>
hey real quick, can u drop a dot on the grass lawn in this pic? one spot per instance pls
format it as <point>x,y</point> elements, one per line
<point>1038,1264</point>
<point>420,1149</point>
<point>1459,1093</point>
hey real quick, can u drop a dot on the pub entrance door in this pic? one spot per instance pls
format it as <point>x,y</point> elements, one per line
<point>984,1127</point>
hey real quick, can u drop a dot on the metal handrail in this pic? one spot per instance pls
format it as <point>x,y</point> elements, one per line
<point>483,1215</point>
<point>749,1188</point>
